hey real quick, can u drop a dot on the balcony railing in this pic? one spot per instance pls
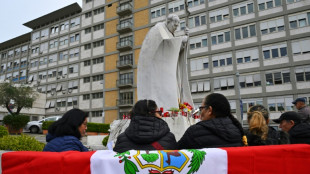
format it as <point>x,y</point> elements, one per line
<point>125,102</point>
<point>124,9</point>
<point>124,27</point>
<point>124,83</point>
<point>123,64</point>
<point>124,45</point>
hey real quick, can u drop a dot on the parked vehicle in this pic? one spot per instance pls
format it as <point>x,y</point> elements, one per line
<point>36,126</point>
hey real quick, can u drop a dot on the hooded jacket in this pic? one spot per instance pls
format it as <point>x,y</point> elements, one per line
<point>142,132</point>
<point>217,132</point>
<point>300,134</point>
<point>274,137</point>
<point>64,143</point>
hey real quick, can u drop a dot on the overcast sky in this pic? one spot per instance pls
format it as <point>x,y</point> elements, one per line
<point>14,13</point>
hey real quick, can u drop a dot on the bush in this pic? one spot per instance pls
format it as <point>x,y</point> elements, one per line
<point>98,127</point>
<point>3,131</point>
<point>20,143</point>
<point>46,124</point>
<point>105,141</point>
<point>16,121</point>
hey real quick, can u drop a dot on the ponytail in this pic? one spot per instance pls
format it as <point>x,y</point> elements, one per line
<point>239,126</point>
<point>258,125</point>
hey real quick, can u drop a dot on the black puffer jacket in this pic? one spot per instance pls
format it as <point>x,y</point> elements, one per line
<point>142,132</point>
<point>300,134</point>
<point>274,137</point>
<point>217,132</point>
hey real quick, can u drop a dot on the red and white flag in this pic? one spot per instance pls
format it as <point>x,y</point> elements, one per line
<point>234,160</point>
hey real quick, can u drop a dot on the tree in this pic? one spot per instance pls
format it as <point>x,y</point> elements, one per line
<point>22,96</point>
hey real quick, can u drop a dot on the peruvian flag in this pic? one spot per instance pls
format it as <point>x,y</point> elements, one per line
<point>233,160</point>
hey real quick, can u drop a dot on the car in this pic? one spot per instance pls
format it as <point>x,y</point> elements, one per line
<point>36,126</point>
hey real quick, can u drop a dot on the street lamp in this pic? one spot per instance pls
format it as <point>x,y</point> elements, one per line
<point>240,100</point>
<point>103,84</point>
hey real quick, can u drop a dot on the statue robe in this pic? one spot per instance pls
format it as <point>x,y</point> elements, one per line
<point>162,69</point>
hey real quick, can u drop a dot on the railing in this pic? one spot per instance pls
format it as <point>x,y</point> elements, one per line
<point>124,82</point>
<point>124,45</point>
<point>125,102</point>
<point>124,63</point>
<point>124,27</point>
<point>124,9</point>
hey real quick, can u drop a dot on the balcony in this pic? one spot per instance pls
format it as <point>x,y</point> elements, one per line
<point>124,9</point>
<point>124,27</point>
<point>124,45</point>
<point>124,64</point>
<point>122,103</point>
<point>124,83</point>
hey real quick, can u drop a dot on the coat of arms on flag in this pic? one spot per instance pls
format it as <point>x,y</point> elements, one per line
<point>163,161</point>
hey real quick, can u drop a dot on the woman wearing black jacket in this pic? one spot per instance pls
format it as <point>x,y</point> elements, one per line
<point>146,131</point>
<point>217,128</point>
<point>259,132</point>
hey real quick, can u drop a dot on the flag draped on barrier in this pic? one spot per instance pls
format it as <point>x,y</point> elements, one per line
<point>234,160</point>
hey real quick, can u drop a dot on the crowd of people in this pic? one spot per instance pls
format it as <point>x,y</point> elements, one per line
<point>217,128</point>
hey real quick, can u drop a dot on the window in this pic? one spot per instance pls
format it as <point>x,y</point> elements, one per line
<point>274,25</point>
<point>176,6</point>
<point>86,79</point>
<point>97,77</point>
<point>302,74</point>
<point>193,3</point>
<point>158,11</point>
<point>222,60</point>
<point>54,43</point>
<point>87,63</point>
<point>75,22</point>
<point>74,52</point>
<point>200,86</point>
<point>299,20</point>
<point>247,55</point>
<point>63,41</point>
<point>223,83</point>
<point>126,98</point>
<point>218,38</point>
<point>35,49</point>
<point>275,51</point>
<point>64,26</point>
<point>75,37</point>
<point>245,32</point>
<point>243,9</point>
<point>98,60</point>
<point>88,14</point>
<point>198,42</point>
<point>96,113</point>
<point>63,55</point>
<point>54,29</point>
<point>97,95</point>
<point>199,64</point>
<point>73,68</point>
<point>301,46</point>
<point>98,27</point>
<point>280,104</point>
<point>98,10</point>
<point>268,4</point>
<point>124,59</point>
<point>87,46</point>
<point>196,21</point>
<point>247,103</point>
<point>87,1</point>
<point>36,35</point>
<point>87,30</point>
<point>252,80</point>
<point>219,15</point>
<point>275,78</point>
<point>98,43</point>
<point>86,96</point>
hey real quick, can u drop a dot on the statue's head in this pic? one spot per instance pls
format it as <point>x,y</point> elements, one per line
<point>172,22</point>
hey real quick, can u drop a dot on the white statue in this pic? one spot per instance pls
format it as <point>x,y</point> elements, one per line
<point>162,67</point>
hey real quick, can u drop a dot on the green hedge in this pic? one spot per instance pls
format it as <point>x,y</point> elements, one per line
<point>20,143</point>
<point>46,124</point>
<point>91,127</point>
<point>3,131</point>
<point>98,127</point>
<point>16,121</point>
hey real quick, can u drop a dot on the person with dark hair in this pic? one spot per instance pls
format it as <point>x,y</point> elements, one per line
<point>217,128</point>
<point>259,133</point>
<point>292,123</point>
<point>303,109</point>
<point>65,133</point>
<point>146,131</point>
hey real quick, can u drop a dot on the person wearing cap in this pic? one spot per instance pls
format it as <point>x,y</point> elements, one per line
<point>298,131</point>
<point>303,109</point>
